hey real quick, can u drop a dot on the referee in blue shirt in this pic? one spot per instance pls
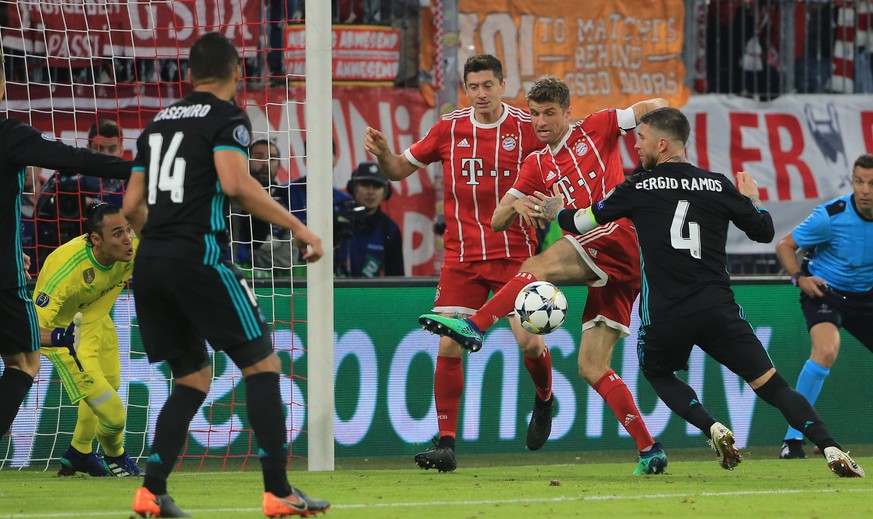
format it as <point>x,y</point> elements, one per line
<point>836,286</point>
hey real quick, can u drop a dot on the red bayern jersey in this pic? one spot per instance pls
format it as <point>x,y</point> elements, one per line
<point>480,164</point>
<point>586,165</point>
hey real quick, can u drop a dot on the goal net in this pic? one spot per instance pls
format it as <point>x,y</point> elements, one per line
<point>73,65</point>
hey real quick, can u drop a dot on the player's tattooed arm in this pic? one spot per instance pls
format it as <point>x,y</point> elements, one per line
<point>748,187</point>
<point>546,207</point>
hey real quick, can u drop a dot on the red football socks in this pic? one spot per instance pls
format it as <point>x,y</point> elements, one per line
<point>448,384</point>
<point>540,370</point>
<point>503,301</point>
<point>618,397</point>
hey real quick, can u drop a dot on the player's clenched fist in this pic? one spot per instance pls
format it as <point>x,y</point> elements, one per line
<point>748,187</point>
<point>309,244</point>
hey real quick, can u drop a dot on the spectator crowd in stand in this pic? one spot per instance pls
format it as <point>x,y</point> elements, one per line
<point>747,47</point>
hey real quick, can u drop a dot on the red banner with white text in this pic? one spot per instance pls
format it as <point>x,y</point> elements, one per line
<point>71,33</point>
<point>361,53</point>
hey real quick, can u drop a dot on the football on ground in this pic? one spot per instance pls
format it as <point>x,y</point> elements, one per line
<point>540,307</point>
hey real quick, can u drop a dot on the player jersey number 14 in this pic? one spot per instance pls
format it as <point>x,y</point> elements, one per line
<point>166,173</point>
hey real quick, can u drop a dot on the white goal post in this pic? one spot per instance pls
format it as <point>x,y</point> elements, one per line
<point>319,193</point>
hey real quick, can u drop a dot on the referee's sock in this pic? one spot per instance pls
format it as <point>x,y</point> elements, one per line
<point>171,432</point>
<point>809,384</point>
<point>14,385</point>
<point>267,416</point>
<point>797,411</point>
<point>681,399</point>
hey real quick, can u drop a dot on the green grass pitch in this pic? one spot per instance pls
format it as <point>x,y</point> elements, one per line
<point>548,485</point>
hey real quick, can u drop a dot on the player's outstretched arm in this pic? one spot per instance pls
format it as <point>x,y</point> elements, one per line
<point>134,204</point>
<point>643,107</point>
<point>579,221</point>
<point>508,209</point>
<point>747,186</point>
<point>756,223</point>
<point>546,207</point>
<point>28,147</point>
<point>395,167</point>
<point>237,183</point>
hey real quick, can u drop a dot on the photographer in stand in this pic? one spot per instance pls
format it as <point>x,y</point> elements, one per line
<point>369,243</point>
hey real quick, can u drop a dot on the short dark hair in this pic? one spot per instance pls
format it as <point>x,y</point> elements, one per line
<point>481,63</point>
<point>213,58</point>
<point>668,120</point>
<point>94,215</point>
<point>864,161</point>
<point>267,142</point>
<point>549,89</point>
<point>106,128</point>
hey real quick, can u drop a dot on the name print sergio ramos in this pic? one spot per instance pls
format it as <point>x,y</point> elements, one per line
<point>687,184</point>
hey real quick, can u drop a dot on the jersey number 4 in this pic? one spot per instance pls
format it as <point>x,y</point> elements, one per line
<point>679,242</point>
<point>166,173</point>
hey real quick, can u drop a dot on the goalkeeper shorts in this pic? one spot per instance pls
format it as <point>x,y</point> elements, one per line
<point>98,355</point>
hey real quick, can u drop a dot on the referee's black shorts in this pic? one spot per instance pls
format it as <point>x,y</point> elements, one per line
<point>19,327</point>
<point>722,332</point>
<point>850,310</point>
<point>179,303</point>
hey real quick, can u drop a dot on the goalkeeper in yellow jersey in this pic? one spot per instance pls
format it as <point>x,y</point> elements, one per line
<point>85,275</point>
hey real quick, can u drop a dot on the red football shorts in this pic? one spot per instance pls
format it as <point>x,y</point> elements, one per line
<point>612,252</point>
<point>464,287</point>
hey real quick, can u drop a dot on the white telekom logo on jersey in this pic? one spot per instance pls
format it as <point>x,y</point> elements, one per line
<point>567,188</point>
<point>472,168</point>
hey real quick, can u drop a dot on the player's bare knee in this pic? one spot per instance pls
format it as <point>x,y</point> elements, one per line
<point>199,379</point>
<point>269,364</point>
<point>450,348</point>
<point>541,266</point>
<point>27,362</point>
<point>532,346</point>
<point>825,355</point>
<point>591,373</point>
<point>763,379</point>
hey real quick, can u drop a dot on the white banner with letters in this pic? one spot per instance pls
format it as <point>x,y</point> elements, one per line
<point>799,148</point>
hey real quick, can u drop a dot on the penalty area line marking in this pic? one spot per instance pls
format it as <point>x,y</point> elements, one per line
<point>469,503</point>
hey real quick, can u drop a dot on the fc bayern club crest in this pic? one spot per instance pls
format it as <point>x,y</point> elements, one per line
<point>509,142</point>
<point>581,148</point>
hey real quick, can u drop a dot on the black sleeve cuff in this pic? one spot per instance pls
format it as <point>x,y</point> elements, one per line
<point>566,219</point>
